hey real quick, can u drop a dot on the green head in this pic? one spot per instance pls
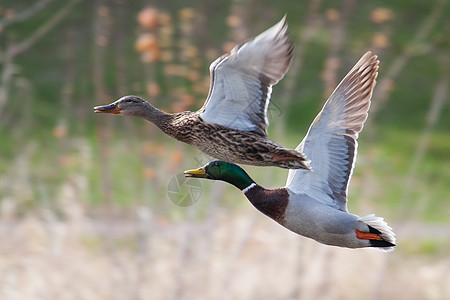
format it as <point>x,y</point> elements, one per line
<point>220,170</point>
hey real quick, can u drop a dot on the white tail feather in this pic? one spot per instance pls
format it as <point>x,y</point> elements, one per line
<point>379,224</point>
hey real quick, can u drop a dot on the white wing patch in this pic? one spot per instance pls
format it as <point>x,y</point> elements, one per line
<point>331,140</point>
<point>241,81</point>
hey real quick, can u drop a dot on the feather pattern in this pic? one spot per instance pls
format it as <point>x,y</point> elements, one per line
<point>241,81</point>
<point>331,142</point>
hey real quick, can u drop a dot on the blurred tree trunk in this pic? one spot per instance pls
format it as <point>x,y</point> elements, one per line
<point>310,27</point>
<point>101,40</point>
<point>338,34</point>
<point>70,76</point>
<point>237,20</point>
<point>118,42</point>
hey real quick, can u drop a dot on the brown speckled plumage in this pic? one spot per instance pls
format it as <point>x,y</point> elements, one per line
<point>235,146</point>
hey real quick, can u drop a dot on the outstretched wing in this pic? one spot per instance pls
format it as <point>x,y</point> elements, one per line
<point>241,81</point>
<point>331,140</point>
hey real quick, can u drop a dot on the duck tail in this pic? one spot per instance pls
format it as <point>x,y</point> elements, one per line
<point>383,236</point>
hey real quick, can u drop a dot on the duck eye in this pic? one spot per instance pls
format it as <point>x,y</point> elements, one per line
<point>216,164</point>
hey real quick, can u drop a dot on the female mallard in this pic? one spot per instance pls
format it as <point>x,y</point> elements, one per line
<point>232,124</point>
<point>314,203</point>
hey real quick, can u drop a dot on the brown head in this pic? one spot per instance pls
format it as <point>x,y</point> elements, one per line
<point>128,106</point>
<point>132,106</point>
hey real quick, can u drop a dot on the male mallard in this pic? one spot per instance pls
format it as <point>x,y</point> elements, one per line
<point>232,124</point>
<point>314,203</point>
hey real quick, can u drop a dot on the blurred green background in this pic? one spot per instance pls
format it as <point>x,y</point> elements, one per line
<point>87,195</point>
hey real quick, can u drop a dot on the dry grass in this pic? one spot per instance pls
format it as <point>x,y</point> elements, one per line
<point>228,256</point>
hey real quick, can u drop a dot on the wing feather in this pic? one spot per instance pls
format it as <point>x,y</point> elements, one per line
<point>241,81</point>
<point>331,143</point>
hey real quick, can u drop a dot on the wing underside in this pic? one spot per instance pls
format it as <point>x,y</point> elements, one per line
<point>241,81</point>
<point>331,142</point>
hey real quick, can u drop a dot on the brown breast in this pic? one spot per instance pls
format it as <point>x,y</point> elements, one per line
<point>272,203</point>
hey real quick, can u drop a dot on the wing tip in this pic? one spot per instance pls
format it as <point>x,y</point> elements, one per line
<point>278,30</point>
<point>282,23</point>
<point>368,58</point>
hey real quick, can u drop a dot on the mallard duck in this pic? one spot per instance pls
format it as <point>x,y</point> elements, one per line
<point>314,202</point>
<point>232,124</point>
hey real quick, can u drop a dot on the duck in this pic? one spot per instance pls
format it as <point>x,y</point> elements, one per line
<point>313,203</point>
<point>232,124</point>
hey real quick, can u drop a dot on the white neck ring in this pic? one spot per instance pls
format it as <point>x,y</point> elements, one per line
<point>249,188</point>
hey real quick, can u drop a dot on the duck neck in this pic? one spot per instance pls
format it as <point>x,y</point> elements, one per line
<point>240,179</point>
<point>154,115</point>
<point>272,203</point>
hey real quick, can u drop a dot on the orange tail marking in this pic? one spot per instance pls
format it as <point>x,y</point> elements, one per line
<point>367,235</point>
<point>283,158</point>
